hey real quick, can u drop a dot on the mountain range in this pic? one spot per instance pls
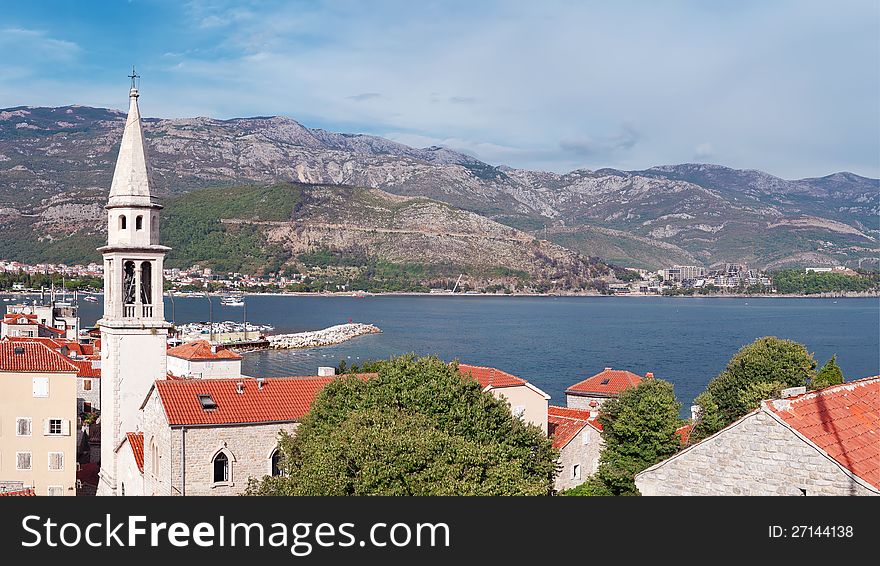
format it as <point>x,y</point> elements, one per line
<point>56,165</point>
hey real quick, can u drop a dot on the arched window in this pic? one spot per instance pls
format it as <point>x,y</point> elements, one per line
<point>147,283</point>
<point>139,223</point>
<point>221,468</point>
<point>276,462</point>
<point>122,222</point>
<point>154,454</point>
<point>128,289</point>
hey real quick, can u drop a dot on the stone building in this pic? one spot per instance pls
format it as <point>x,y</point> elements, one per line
<point>578,437</point>
<point>209,436</point>
<point>526,401</point>
<point>825,442</point>
<point>607,384</point>
<point>134,332</point>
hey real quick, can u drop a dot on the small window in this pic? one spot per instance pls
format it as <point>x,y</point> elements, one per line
<point>207,402</point>
<point>22,461</point>
<point>23,426</point>
<point>139,223</point>
<point>221,468</point>
<point>154,452</point>
<point>56,461</point>
<point>41,386</point>
<point>576,472</point>
<point>585,434</point>
<point>87,385</point>
<point>55,490</point>
<point>122,222</point>
<point>54,427</point>
<point>605,381</point>
<point>276,462</point>
<point>122,489</point>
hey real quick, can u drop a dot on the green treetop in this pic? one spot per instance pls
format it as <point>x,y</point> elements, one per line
<point>830,374</point>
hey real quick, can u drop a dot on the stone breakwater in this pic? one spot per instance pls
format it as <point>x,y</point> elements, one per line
<point>327,337</point>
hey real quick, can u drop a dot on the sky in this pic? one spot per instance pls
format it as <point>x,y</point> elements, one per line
<point>788,87</point>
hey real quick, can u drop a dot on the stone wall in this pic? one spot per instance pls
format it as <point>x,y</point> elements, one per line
<point>578,452</point>
<point>84,395</point>
<point>755,456</point>
<point>248,447</point>
<point>581,402</point>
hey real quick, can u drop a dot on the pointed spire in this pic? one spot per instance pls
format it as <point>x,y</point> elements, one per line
<point>132,177</point>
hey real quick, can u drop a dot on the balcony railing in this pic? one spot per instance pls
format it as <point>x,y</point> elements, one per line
<point>128,311</point>
<point>148,311</point>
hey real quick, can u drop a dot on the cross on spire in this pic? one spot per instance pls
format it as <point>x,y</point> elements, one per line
<point>133,76</point>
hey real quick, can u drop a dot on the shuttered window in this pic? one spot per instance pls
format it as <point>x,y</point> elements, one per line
<point>23,426</point>
<point>41,386</point>
<point>56,461</point>
<point>22,460</point>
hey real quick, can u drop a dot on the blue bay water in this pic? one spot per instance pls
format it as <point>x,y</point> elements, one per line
<point>556,341</point>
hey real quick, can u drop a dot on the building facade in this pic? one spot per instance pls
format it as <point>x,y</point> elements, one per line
<point>526,401</point>
<point>823,442</point>
<point>578,436</point>
<point>201,359</point>
<point>37,419</point>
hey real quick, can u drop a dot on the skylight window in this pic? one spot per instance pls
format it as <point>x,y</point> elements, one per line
<point>207,402</point>
<point>605,381</point>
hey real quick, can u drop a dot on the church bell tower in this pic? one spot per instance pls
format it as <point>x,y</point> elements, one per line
<point>133,329</point>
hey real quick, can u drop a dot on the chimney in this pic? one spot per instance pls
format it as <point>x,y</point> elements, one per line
<point>594,409</point>
<point>607,369</point>
<point>792,392</point>
<point>325,371</point>
<point>239,387</point>
<point>213,348</point>
<point>649,375</point>
<point>695,412</point>
<point>261,382</point>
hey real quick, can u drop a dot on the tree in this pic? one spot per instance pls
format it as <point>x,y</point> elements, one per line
<point>757,371</point>
<point>638,429</point>
<point>419,428</point>
<point>830,374</point>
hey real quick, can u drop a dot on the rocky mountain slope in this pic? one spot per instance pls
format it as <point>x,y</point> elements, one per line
<point>56,165</point>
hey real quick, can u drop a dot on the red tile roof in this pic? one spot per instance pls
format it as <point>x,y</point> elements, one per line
<point>201,350</point>
<point>607,383</point>
<point>282,399</point>
<point>20,318</point>
<point>34,357</point>
<point>136,441</point>
<point>843,420</point>
<point>86,369</point>
<point>563,424</point>
<point>491,376</point>
<point>28,492</point>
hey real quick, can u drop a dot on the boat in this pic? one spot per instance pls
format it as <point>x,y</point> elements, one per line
<point>232,301</point>
<point>90,299</point>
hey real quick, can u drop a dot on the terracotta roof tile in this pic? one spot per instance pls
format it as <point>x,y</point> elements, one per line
<point>281,399</point>
<point>136,441</point>
<point>32,356</point>
<point>201,350</point>
<point>563,424</point>
<point>843,420</point>
<point>86,369</point>
<point>27,492</point>
<point>490,376</point>
<point>607,383</point>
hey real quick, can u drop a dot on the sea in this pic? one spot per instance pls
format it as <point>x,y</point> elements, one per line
<point>553,342</point>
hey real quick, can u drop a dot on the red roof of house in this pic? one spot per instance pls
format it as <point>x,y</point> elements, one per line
<point>28,491</point>
<point>20,318</point>
<point>86,369</point>
<point>32,356</point>
<point>136,441</point>
<point>491,376</point>
<point>843,420</point>
<point>74,347</point>
<point>282,399</point>
<point>563,424</point>
<point>607,383</point>
<point>201,350</point>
